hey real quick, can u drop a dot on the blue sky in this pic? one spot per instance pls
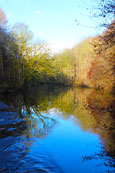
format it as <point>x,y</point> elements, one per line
<point>52,20</point>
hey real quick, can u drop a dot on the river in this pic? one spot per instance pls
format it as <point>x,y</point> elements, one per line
<point>57,130</point>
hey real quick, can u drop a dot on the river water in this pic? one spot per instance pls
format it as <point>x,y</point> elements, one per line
<point>57,130</point>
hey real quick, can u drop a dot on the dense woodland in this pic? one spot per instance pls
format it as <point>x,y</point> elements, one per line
<point>25,62</point>
<point>42,90</point>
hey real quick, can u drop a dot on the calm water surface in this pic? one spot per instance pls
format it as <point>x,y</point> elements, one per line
<point>57,130</point>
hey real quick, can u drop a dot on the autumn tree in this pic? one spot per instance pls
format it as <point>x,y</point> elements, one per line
<point>7,51</point>
<point>3,20</point>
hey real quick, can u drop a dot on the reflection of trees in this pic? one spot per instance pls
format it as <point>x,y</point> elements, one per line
<point>101,107</point>
<point>92,108</point>
<point>101,155</point>
<point>32,119</point>
<point>33,107</point>
<point>39,124</point>
<point>95,112</point>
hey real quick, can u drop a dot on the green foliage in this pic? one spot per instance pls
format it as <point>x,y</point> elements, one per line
<point>25,62</point>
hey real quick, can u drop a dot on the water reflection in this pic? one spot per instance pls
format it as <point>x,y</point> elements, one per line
<point>46,119</point>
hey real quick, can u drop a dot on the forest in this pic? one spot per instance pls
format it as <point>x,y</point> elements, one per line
<point>57,107</point>
<point>27,62</point>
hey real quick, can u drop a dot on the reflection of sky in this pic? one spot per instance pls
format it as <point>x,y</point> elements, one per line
<point>66,145</point>
<point>59,146</point>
